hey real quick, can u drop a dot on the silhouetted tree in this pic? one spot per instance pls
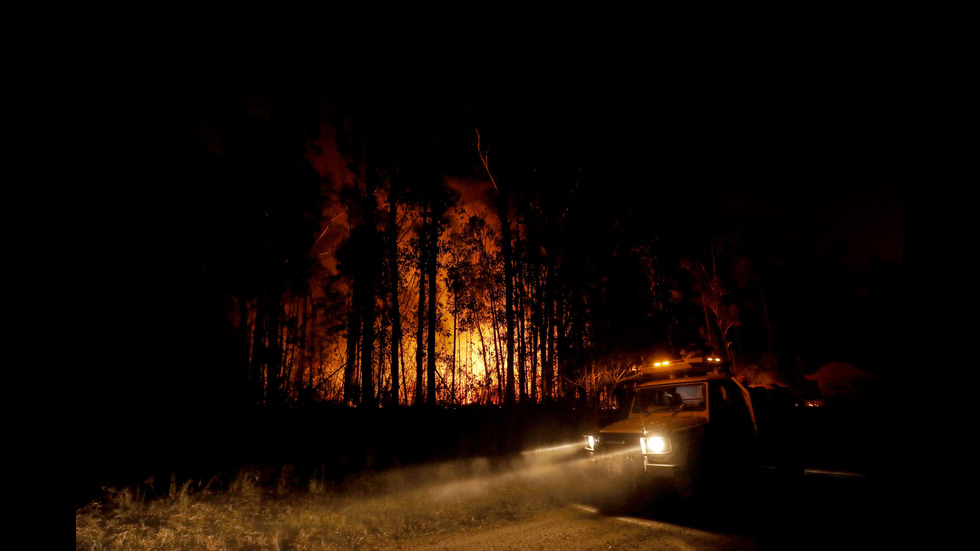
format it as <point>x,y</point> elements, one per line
<point>394,276</point>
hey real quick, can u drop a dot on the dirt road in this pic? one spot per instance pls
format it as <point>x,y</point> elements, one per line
<point>818,511</point>
<point>581,528</point>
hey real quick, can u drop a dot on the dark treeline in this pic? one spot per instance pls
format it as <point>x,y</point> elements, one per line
<point>260,229</point>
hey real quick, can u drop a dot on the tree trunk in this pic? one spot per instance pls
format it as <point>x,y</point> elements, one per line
<point>350,366</point>
<point>507,251</point>
<point>433,258</point>
<point>704,305</point>
<point>313,346</point>
<point>396,319</point>
<point>367,284</point>
<point>536,330</point>
<point>486,365</point>
<point>559,361</point>
<point>455,331</point>
<point>381,380</point>
<point>256,384</point>
<point>420,333</point>
<point>498,363</point>
<point>522,349</point>
<point>547,340</point>
<point>274,353</point>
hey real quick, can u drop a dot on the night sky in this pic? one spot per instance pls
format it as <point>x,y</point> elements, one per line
<point>792,143</point>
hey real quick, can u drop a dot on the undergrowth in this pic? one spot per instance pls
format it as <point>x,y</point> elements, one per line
<point>251,511</point>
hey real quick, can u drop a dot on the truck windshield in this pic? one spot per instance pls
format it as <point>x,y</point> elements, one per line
<point>689,397</point>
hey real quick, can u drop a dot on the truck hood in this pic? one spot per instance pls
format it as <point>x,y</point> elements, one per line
<point>654,422</point>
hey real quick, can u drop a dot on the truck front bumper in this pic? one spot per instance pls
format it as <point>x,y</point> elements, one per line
<point>658,468</point>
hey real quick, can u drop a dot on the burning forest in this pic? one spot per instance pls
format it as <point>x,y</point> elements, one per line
<point>399,236</point>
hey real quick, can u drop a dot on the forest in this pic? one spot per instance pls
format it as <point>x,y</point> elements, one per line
<point>255,227</point>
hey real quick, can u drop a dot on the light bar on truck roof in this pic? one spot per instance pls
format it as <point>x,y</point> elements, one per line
<point>664,363</point>
<point>679,367</point>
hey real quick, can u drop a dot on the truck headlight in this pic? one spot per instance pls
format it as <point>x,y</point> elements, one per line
<point>590,442</point>
<point>654,444</point>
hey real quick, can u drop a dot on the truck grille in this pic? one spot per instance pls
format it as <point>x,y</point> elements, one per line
<point>612,442</point>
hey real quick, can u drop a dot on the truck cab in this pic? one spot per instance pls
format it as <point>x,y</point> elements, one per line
<point>689,419</point>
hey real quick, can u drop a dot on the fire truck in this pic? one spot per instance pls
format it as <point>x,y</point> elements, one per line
<point>690,423</point>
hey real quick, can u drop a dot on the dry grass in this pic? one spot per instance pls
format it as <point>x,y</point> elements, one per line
<point>369,512</point>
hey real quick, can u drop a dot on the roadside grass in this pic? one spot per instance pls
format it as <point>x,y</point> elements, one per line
<point>366,511</point>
